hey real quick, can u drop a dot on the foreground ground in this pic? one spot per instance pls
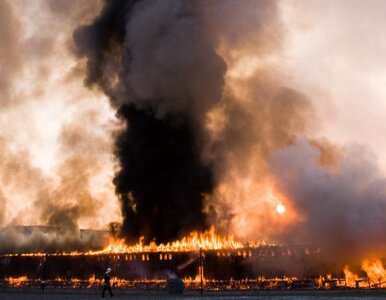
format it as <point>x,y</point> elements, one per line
<point>82,294</point>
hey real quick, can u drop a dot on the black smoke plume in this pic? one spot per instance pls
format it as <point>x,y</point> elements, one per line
<point>162,179</point>
<point>162,73</point>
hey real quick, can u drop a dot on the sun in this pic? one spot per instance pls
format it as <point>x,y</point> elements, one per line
<point>280,208</point>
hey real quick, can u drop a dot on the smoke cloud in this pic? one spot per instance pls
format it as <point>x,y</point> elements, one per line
<point>214,122</point>
<point>9,54</point>
<point>341,211</point>
<point>32,239</point>
<point>55,144</point>
<point>201,120</point>
<point>160,69</point>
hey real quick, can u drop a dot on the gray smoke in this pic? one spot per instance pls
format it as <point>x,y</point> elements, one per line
<point>209,114</point>
<point>32,239</point>
<point>9,54</point>
<point>341,210</point>
<point>61,198</point>
<point>172,66</point>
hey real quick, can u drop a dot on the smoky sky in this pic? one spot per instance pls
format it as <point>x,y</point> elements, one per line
<point>342,210</point>
<point>212,120</point>
<point>215,117</point>
<point>48,171</point>
<point>9,56</point>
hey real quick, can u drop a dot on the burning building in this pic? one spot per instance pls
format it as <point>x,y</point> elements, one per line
<point>209,130</point>
<point>202,260</point>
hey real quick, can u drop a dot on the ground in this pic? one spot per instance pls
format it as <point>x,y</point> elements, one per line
<point>82,294</point>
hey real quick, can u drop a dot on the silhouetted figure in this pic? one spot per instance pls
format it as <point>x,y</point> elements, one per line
<point>106,285</point>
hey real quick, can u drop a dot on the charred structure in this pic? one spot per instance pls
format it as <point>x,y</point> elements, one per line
<point>219,265</point>
<point>256,268</point>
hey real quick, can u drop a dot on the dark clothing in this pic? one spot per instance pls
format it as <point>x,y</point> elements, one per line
<point>107,278</point>
<point>106,285</point>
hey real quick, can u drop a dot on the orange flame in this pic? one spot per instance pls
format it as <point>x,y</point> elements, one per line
<point>16,281</point>
<point>195,241</point>
<point>350,278</point>
<point>375,272</point>
<point>208,240</point>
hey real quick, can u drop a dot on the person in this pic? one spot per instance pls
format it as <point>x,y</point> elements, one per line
<point>106,285</point>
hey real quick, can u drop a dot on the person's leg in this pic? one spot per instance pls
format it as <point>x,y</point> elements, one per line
<point>104,290</point>
<point>111,293</point>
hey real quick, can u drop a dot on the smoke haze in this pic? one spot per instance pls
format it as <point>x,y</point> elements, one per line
<point>223,110</point>
<point>252,110</point>
<point>55,139</point>
<point>339,210</point>
<point>156,53</point>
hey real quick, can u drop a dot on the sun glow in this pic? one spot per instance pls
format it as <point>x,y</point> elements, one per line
<point>280,208</point>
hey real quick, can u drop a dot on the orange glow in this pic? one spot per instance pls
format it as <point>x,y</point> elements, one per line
<point>16,281</point>
<point>208,240</point>
<point>195,241</point>
<point>350,277</point>
<point>375,272</point>
<point>257,204</point>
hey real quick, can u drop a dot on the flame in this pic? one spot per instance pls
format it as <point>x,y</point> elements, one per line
<point>375,271</point>
<point>195,241</point>
<point>16,281</point>
<point>350,278</point>
<point>376,274</point>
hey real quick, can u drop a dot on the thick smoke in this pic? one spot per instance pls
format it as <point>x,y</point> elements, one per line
<point>214,130</point>
<point>159,67</point>
<point>342,210</point>
<point>162,180</point>
<point>245,131</point>
<point>54,146</point>
<point>29,239</point>
<point>259,112</point>
<point>9,54</point>
<point>198,124</point>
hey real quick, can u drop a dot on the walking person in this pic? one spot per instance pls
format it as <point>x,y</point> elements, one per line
<point>106,284</point>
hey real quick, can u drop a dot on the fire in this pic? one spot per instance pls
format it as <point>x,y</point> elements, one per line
<point>207,240</point>
<point>375,272</point>
<point>195,241</point>
<point>350,278</point>
<point>196,281</point>
<point>16,281</point>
